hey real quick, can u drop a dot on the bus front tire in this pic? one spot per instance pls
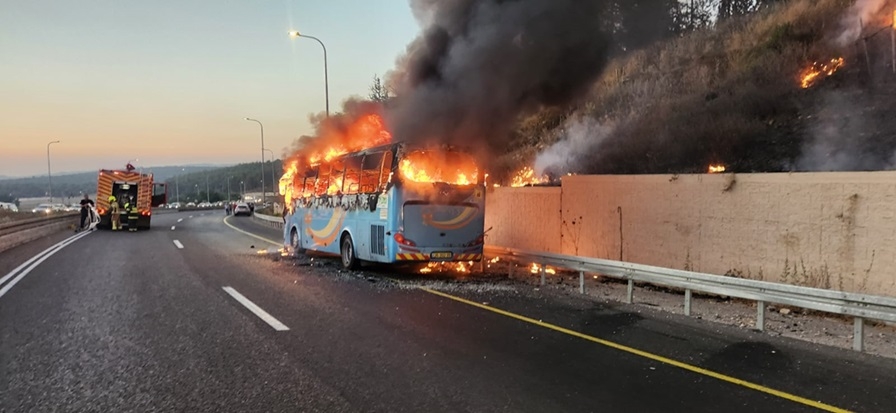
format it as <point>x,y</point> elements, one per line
<point>347,249</point>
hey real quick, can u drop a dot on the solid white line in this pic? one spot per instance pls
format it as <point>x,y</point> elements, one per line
<point>178,244</point>
<point>273,322</point>
<point>35,261</point>
<point>172,227</point>
<point>180,220</point>
<point>279,244</point>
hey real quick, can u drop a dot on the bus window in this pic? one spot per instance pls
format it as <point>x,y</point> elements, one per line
<point>352,175</point>
<point>310,180</point>
<point>323,180</point>
<point>385,170</point>
<point>370,172</point>
<point>337,174</point>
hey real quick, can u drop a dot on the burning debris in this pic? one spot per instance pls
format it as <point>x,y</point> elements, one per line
<point>817,71</point>
<point>527,177</point>
<point>459,267</point>
<point>716,169</point>
<point>536,269</point>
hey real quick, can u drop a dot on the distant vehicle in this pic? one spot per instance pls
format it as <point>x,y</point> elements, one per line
<point>204,205</point>
<point>242,209</point>
<point>9,206</point>
<point>174,205</point>
<point>128,186</point>
<point>191,204</point>
<point>73,208</point>
<point>44,209</point>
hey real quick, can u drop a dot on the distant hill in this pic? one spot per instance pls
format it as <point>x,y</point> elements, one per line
<point>75,184</point>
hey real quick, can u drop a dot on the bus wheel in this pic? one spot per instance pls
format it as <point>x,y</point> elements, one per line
<point>295,243</point>
<point>349,261</point>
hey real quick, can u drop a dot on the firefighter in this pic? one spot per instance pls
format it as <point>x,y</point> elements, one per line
<point>131,209</point>
<point>114,213</point>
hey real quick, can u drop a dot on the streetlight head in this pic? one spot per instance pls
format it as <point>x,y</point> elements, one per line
<point>294,33</point>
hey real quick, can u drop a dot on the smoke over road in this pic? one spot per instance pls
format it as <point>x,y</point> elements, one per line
<point>480,64</point>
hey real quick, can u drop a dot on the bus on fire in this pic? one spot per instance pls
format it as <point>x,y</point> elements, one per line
<point>390,204</point>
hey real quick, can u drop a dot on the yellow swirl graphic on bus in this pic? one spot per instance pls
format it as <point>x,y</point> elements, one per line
<point>327,234</point>
<point>460,221</point>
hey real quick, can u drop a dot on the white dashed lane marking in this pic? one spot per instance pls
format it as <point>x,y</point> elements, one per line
<point>178,244</point>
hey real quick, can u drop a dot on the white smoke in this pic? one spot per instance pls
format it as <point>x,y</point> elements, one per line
<point>860,14</point>
<point>580,134</point>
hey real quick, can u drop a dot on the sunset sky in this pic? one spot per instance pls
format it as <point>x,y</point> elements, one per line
<point>169,82</point>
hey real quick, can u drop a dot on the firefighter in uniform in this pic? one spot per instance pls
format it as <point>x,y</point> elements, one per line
<point>131,209</point>
<point>114,213</point>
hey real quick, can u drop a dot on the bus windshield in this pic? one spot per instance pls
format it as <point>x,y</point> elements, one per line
<point>450,167</point>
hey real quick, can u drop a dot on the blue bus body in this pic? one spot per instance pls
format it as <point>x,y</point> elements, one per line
<point>382,216</point>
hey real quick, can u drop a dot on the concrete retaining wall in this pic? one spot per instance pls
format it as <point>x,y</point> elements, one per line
<point>15,239</point>
<point>828,230</point>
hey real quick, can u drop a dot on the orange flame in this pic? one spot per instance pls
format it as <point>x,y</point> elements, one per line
<point>536,269</point>
<point>526,176</point>
<point>716,169</point>
<point>816,71</point>
<point>458,267</point>
<point>365,132</point>
<point>439,166</point>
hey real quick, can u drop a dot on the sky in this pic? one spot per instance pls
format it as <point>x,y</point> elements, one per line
<point>169,82</point>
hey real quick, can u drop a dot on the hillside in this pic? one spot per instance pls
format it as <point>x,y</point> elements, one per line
<point>731,94</point>
<point>189,179</point>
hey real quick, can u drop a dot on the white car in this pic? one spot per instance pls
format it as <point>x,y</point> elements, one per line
<point>9,206</point>
<point>242,209</point>
<point>44,209</point>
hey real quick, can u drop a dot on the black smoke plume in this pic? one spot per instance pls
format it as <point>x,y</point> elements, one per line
<point>478,65</point>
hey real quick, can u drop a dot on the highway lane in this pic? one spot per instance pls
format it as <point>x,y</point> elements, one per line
<point>119,321</point>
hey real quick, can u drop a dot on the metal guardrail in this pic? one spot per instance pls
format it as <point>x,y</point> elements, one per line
<point>21,225</point>
<point>269,220</point>
<point>859,306</point>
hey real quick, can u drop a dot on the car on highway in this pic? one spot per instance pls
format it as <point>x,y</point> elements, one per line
<point>242,209</point>
<point>45,209</point>
<point>9,206</point>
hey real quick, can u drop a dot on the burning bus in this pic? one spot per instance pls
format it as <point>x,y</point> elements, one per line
<point>390,203</point>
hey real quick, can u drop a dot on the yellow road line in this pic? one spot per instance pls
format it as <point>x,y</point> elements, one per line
<point>651,356</point>
<point>279,244</point>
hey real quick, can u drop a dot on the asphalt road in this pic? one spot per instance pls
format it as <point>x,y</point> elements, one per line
<point>133,322</point>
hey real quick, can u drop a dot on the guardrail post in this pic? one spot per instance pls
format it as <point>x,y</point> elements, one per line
<point>760,315</point>
<point>510,266</point>
<point>629,297</point>
<point>542,274</point>
<point>858,334</point>
<point>581,282</point>
<point>687,302</point>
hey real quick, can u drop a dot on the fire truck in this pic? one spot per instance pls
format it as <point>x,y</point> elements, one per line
<point>128,185</point>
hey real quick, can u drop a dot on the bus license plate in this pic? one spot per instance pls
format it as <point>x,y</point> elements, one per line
<point>441,255</point>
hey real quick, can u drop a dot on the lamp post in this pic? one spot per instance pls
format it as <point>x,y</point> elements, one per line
<point>242,191</point>
<point>49,174</point>
<point>177,186</point>
<point>206,188</point>
<point>229,198</point>
<point>262,157</point>
<point>326,80</point>
<point>273,175</point>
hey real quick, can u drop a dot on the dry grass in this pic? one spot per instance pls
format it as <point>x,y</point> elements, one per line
<point>728,94</point>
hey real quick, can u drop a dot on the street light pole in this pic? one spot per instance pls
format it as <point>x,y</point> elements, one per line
<point>326,80</point>
<point>273,175</point>
<point>229,198</point>
<point>49,174</point>
<point>262,158</point>
<point>206,188</point>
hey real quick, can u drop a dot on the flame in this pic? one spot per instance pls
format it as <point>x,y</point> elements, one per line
<point>458,267</point>
<point>813,73</point>
<point>716,169</point>
<point>526,176</point>
<point>894,19</point>
<point>365,132</point>
<point>453,168</point>
<point>536,269</point>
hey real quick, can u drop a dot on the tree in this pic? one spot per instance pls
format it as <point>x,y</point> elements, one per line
<point>378,91</point>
